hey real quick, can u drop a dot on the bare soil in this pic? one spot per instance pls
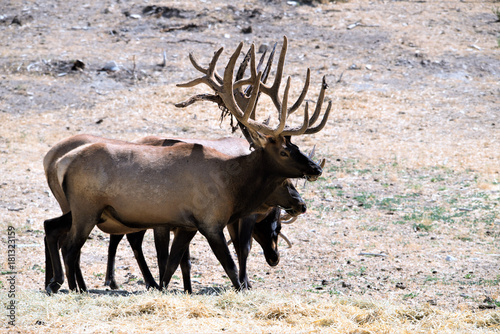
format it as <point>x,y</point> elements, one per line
<point>408,207</point>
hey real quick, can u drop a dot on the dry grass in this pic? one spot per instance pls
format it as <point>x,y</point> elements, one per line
<point>256,311</point>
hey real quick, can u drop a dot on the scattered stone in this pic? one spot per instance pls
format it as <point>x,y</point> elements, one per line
<point>247,30</point>
<point>487,306</point>
<point>450,258</point>
<point>400,285</point>
<point>78,65</point>
<point>110,67</point>
<point>345,285</point>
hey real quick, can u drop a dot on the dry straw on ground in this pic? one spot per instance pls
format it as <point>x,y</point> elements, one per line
<point>255,311</point>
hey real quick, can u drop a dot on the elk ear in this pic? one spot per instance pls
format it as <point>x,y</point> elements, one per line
<point>255,139</point>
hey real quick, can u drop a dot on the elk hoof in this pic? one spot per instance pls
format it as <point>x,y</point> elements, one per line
<point>152,286</point>
<point>112,284</point>
<point>53,287</point>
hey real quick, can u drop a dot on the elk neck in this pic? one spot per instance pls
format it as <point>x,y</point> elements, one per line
<point>255,179</point>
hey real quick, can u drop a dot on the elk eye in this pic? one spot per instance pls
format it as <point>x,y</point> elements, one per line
<point>283,154</point>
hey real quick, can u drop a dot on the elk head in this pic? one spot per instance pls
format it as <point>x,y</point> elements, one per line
<point>280,154</point>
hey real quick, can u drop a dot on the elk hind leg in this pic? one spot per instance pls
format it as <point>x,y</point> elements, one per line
<point>55,230</point>
<point>72,245</point>
<point>186,271</point>
<point>162,242</point>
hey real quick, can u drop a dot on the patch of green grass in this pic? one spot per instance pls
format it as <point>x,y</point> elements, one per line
<point>365,200</point>
<point>39,268</point>
<point>481,281</point>
<point>389,203</point>
<point>422,227</point>
<point>438,178</point>
<point>431,279</point>
<point>410,295</point>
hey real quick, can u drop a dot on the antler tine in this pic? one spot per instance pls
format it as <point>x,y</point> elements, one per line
<point>289,243</point>
<point>272,91</point>
<point>243,65</point>
<point>265,74</point>
<point>210,73</point>
<point>299,130</point>
<point>320,126</point>
<point>248,81</point>
<point>197,66</point>
<point>302,95</point>
<point>228,88</point>
<point>311,155</point>
<point>319,104</point>
<point>267,69</point>
<point>289,220</point>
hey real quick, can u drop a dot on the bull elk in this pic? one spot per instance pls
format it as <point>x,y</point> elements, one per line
<point>130,187</point>
<point>266,232</point>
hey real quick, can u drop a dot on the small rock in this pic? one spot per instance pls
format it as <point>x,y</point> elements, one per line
<point>450,258</point>
<point>78,65</point>
<point>345,285</point>
<point>263,48</point>
<point>487,306</point>
<point>111,66</point>
<point>247,30</point>
<point>135,16</point>
<point>400,285</point>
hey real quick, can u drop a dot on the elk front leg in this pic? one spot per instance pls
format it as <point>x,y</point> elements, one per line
<point>114,240</point>
<point>186,271</point>
<point>245,229</point>
<point>180,244</point>
<point>135,240</point>
<point>218,244</point>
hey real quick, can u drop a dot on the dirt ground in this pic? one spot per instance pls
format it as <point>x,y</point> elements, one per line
<point>408,206</point>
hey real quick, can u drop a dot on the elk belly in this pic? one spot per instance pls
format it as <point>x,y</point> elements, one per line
<point>110,225</point>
